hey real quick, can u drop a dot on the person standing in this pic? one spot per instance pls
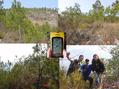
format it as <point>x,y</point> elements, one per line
<point>81,61</point>
<point>86,72</point>
<point>74,64</point>
<point>98,68</point>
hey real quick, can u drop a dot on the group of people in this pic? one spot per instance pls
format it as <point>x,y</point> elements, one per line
<point>86,69</point>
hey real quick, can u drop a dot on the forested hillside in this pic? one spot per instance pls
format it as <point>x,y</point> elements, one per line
<point>98,26</point>
<point>19,24</point>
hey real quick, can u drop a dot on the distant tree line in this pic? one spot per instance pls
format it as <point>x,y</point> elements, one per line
<point>73,17</point>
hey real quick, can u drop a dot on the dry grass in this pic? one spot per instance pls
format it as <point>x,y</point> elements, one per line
<point>74,81</point>
<point>106,28</point>
<point>108,32</point>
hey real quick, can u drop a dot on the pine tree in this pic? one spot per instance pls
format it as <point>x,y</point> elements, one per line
<point>1,2</point>
<point>2,12</point>
<point>98,11</point>
<point>97,6</point>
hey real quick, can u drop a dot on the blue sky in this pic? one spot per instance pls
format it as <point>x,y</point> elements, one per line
<point>85,5</point>
<point>34,3</point>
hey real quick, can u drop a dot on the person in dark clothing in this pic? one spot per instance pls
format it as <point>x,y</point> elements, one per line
<point>98,68</point>
<point>86,72</point>
<point>74,65</point>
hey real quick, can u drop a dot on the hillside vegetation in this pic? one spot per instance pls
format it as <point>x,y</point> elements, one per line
<point>19,24</point>
<point>98,26</point>
<point>42,15</point>
<point>32,72</point>
<point>38,72</point>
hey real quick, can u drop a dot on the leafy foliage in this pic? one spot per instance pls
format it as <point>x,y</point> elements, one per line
<point>114,62</point>
<point>30,72</point>
<point>73,16</point>
<point>2,12</point>
<point>74,81</point>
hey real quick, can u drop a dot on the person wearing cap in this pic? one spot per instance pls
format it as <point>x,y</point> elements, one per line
<point>98,68</point>
<point>86,72</point>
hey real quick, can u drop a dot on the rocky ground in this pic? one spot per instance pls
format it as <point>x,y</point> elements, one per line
<point>95,34</point>
<point>41,17</point>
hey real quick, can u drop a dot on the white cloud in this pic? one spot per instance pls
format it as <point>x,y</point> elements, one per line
<point>85,5</point>
<point>10,51</point>
<point>62,4</point>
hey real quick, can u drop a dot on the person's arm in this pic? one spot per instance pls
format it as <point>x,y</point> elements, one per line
<point>66,55</point>
<point>91,73</point>
<point>93,66</point>
<point>81,68</point>
<point>69,57</point>
<point>102,67</point>
<point>49,53</point>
